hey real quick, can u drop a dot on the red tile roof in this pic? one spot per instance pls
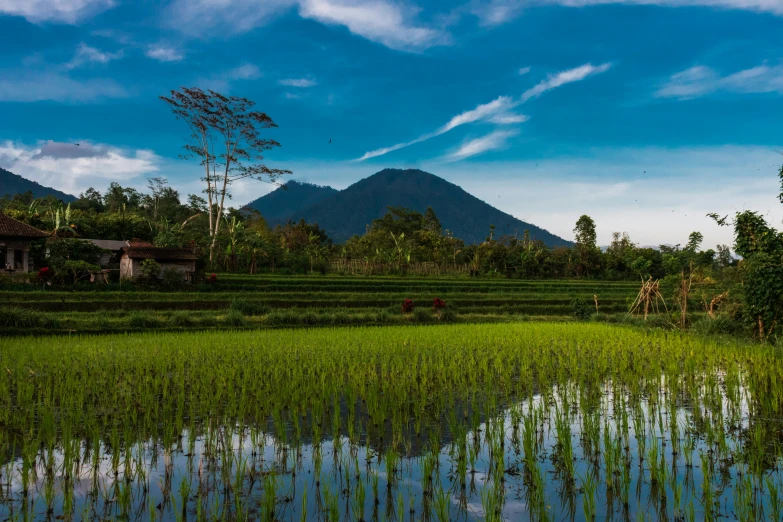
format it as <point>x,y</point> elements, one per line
<point>160,254</point>
<point>10,227</point>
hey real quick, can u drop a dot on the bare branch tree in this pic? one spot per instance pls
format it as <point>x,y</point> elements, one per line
<point>225,135</point>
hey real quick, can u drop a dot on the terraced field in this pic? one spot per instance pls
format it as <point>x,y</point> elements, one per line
<point>238,301</point>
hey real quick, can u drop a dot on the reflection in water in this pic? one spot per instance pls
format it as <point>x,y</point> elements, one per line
<point>568,452</point>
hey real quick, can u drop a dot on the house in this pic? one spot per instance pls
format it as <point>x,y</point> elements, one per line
<point>113,250</point>
<point>180,260</point>
<point>15,238</point>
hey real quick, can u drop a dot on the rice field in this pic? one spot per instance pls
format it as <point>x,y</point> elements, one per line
<point>241,301</point>
<point>517,421</point>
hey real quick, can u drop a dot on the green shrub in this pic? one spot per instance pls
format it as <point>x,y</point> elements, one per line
<point>447,316</point>
<point>181,318</point>
<point>581,309</point>
<point>142,320</point>
<point>720,325</point>
<point>420,315</point>
<point>172,278</point>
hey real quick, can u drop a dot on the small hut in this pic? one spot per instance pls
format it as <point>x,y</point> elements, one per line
<point>113,250</point>
<point>180,260</point>
<point>15,238</point>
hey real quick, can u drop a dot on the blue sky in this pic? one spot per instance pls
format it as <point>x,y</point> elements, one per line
<point>644,114</point>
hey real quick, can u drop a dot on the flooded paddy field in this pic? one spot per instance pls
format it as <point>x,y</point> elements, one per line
<point>461,422</point>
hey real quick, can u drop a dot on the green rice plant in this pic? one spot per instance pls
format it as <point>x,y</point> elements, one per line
<point>235,318</point>
<point>247,307</point>
<point>142,320</point>
<point>17,317</point>
<point>180,318</point>
<point>421,315</point>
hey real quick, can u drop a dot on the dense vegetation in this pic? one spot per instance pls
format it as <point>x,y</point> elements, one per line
<point>746,292</point>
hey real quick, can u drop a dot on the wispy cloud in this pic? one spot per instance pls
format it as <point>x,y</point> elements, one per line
<point>700,81</point>
<point>298,82</point>
<point>563,78</point>
<point>246,71</point>
<point>164,53</point>
<point>86,54</point>
<point>493,141</point>
<point>494,109</point>
<point>495,12</point>
<point>523,71</point>
<point>222,81</point>
<point>387,22</point>
<point>32,86</point>
<point>67,167</point>
<point>498,111</point>
<point>62,11</point>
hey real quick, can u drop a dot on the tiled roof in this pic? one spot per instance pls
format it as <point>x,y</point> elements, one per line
<point>160,254</point>
<point>10,227</point>
<point>108,244</point>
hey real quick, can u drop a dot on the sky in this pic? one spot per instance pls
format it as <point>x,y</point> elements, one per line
<point>644,114</point>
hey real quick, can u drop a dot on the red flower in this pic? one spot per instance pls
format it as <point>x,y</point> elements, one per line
<point>45,273</point>
<point>438,304</point>
<point>407,306</point>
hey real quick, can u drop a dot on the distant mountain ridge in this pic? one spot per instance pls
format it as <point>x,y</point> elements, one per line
<point>279,205</point>
<point>12,184</point>
<point>348,212</point>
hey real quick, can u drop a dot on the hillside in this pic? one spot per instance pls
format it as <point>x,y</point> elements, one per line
<point>281,204</point>
<point>12,184</point>
<point>349,211</point>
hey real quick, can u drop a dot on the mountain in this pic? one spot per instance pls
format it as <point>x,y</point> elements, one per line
<point>12,184</point>
<point>281,204</point>
<point>347,212</point>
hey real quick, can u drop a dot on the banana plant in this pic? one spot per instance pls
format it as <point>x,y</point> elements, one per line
<point>62,221</point>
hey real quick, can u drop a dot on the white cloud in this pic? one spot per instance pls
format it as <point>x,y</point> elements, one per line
<point>498,111</point>
<point>611,186</point>
<point>298,82</point>
<point>86,54</point>
<point>31,86</point>
<point>205,18</point>
<point>380,21</point>
<point>523,71</point>
<point>494,109</point>
<point>495,12</point>
<point>221,82</point>
<point>387,22</point>
<point>700,80</point>
<point>563,78</point>
<point>291,96</point>
<point>63,11</point>
<point>492,141</point>
<point>72,168</point>
<point>164,53</point>
<point>246,71</point>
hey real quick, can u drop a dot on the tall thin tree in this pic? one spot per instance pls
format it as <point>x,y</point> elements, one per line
<point>225,134</point>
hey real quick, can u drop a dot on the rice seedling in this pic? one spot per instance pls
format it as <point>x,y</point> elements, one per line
<point>440,422</point>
